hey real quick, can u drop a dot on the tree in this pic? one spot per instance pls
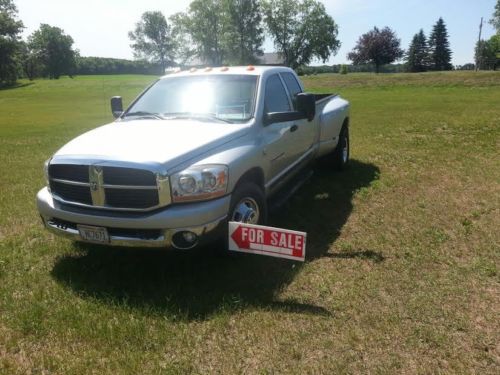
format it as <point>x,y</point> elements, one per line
<point>301,30</point>
<point>417,59</point>
<point>495,20</point>
<point>488,53</point>
<point>53,50</point>
<point>245,33</point>
<point>439,46</point>
<point>205,24</point>
<point>152,39</point>
<point>184,50</point>
<point>30,62</point>
<point>10,28</point>
<point>378,47</point>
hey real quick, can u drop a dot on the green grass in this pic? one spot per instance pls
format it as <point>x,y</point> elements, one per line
<point>402,271</point>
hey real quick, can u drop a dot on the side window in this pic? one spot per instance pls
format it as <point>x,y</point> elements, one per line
<point>276,99</point>
<point>293,86</point>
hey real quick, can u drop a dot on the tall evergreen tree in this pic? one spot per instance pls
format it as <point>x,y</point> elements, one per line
<point>417,58</point>
<point>439,46</point>
<point>10,44</point>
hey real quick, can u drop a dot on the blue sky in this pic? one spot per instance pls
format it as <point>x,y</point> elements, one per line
<point>100,27</point>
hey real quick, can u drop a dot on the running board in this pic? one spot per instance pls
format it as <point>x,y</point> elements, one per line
<point>285,193</point>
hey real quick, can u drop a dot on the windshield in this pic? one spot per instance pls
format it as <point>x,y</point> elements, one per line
<point>224,97</point>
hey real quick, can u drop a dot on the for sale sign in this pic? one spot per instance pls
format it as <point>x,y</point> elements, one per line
<point>275,242</point>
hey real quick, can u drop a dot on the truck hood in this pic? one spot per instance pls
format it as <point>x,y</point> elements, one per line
<point>151,141</point>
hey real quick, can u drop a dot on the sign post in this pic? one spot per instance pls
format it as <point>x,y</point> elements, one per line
<point>275,242</point>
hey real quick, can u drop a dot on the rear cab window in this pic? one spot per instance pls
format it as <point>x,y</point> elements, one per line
<point>276,97</point>
<point>293,87</point>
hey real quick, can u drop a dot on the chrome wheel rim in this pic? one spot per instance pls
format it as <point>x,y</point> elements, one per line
<point>246,211</point>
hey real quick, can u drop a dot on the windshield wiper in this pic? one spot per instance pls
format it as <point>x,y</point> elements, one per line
<point>144,114</point>
<point>195,116</point>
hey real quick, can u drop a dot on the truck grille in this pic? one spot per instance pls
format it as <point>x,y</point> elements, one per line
<point>71,193</point>
<point>116,188</point>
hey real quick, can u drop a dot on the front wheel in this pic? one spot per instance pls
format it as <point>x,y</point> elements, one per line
<point>248,205</point>
<point>342,151</point>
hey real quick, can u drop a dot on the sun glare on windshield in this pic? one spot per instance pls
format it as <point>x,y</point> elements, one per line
<point>225,97</point>
<point>198,97</point>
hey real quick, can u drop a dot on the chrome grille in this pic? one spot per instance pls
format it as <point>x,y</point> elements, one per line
<point>71,193</point>
<point>108,187</point>
<point>70,172</point>
<point>128,176</point>
<point>132,198</point>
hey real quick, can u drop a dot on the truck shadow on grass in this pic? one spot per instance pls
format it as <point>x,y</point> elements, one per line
<point>197,284</point>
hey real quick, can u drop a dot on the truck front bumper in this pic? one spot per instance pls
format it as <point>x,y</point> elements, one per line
<point>154,229</point>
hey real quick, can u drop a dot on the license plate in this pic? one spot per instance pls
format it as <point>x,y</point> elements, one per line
<point>93,234</point>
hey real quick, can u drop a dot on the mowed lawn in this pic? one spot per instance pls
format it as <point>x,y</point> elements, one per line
<point>402,270</point>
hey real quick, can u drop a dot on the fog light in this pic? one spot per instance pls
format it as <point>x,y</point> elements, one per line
<point>184,240</point>
<point>189,237</point>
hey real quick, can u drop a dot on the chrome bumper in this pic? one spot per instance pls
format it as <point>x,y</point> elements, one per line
<point>164,239</point>
<point>204,219</point>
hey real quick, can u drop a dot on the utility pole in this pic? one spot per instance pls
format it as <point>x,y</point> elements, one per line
<point>480,47</point>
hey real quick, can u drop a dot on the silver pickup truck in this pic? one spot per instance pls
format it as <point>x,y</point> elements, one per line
<point>195,150</point>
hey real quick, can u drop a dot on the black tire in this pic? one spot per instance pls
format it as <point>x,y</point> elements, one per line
<point>244,191</point>
<point>253,192</point>
<point>342,151</point>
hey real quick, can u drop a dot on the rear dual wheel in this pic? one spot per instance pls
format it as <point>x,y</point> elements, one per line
<point>342,152</point>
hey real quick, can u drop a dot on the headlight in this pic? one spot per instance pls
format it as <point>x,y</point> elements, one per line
<point>199,182</point>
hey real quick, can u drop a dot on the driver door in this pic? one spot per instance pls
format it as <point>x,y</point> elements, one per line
<point>278,148</point>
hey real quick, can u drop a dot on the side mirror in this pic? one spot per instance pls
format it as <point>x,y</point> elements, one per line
<point>306,103</point>
<point>116,106</point>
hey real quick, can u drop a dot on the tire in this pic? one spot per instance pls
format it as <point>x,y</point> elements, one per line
<point>252,197</point>
<point>341,153</point>
<point>246,194</point>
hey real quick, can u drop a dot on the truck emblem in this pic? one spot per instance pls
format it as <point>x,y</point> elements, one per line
<point>96,182</point>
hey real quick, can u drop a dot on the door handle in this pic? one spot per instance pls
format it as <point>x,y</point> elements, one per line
<point>294,128</point>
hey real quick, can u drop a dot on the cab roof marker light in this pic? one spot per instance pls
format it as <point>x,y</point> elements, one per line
<point>250,68</point>
<point>208,69</point>
<point>192,70</point>
<point>224,69</point>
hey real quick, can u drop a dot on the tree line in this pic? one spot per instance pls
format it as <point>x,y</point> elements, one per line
<point>230,32</point>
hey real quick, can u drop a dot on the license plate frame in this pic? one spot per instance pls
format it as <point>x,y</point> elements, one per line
<point>89,233</point>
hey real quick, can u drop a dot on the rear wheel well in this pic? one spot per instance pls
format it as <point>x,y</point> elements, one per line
<point>254,175</point>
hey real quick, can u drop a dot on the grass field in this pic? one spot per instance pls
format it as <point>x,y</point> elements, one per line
<point>402,271</point>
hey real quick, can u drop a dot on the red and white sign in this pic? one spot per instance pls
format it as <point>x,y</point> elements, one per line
<point>275,242</point>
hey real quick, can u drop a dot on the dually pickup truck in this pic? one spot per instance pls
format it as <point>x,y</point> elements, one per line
<point>195,150</point>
